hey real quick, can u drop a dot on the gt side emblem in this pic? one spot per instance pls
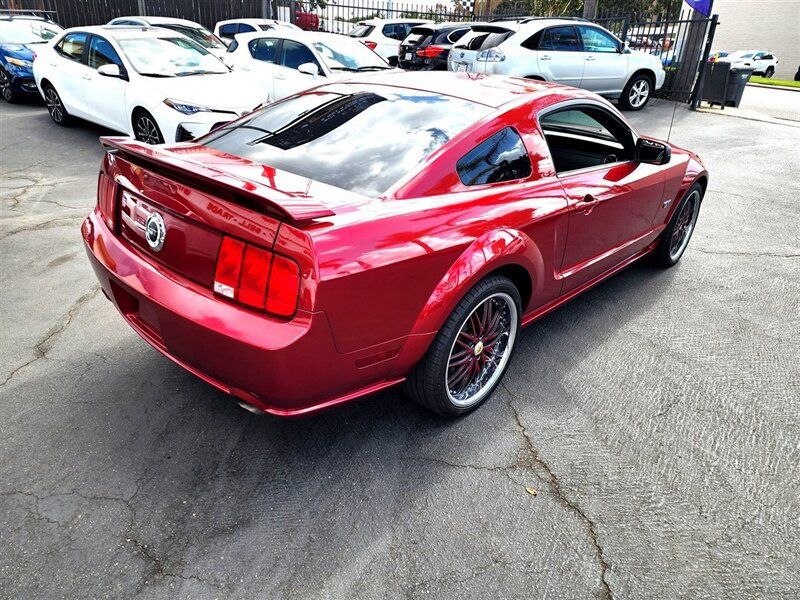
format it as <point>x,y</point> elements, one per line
<point>155,231</point>
<point>462,55</point>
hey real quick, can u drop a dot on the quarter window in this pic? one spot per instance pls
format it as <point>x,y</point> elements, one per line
<point>263,49</point>
<point>502,157</point>
<point>560,39</point>
<point>71,46</point>
<point>102,53</point>
<point>595,40</point>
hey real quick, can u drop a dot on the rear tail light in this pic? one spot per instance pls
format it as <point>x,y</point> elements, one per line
<point>106,192</point>
<point>257,278</point>
<point>430,52</point>
<point>371,45</point>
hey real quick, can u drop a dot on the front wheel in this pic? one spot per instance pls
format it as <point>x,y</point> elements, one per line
<point>636,93</point>
<point>469,355</point>
<point>676,236</point>
<point>7,90</point>
<point>145,128</point>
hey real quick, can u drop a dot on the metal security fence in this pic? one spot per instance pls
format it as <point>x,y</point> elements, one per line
<point>680,38</point>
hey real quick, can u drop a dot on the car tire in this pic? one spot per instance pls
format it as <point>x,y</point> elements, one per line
<point>469,355</point>
<point>675,238</point>
<point>636,93</point>
<point>145,127</point>
<point>55,107</point>
<point>769,72</point>
<point>7,90</point>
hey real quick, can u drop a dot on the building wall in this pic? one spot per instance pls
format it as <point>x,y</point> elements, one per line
<point>772,25</point>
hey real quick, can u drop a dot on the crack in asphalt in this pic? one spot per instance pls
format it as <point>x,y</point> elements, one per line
<point>31,182</point>
<point>44,225</point>
<point>43,346</point>
<point>555,487</point>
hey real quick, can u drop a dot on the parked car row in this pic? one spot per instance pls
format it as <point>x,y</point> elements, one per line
<point>568,51</point>
<point>165,79</point>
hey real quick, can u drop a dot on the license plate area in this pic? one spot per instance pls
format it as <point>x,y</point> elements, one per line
<point>462,67</point>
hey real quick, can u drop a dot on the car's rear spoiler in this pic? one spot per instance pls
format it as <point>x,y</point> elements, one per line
<point>290,206</point>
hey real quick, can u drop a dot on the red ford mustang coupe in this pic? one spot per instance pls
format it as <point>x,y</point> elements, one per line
<point>396,228</point>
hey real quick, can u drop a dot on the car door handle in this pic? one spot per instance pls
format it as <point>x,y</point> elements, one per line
<point>590,58</point>
<point>587,204</point>
<point>280,76</point>
<point>545,57</point>
<point>86,77</point>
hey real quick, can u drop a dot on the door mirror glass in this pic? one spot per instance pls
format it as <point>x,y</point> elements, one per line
<point>309,69</point>
<point>109,70</point>
<point>653,153</point>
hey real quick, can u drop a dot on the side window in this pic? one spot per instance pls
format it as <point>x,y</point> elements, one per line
<point>263,49</point>
<point>502,157</point>
<point>245,28</point>
<point>585,137</point>
<point>234,45</point>
<point>102,53</point>
<point>532,43</point>
<point>396,31</point>
<point>595,40</point>
<point>295,54</point>
<point>229,29</point>
<point>768,57</point>
<point>71,45</point>
<point>560,39</point>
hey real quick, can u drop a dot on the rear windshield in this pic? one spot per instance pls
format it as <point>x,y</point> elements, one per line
<point>359,138</point>
<point>483,39</point>
<point>361,31</point>
<point>418,35</point>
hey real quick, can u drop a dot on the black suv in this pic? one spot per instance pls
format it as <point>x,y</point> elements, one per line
<point>426,47</point>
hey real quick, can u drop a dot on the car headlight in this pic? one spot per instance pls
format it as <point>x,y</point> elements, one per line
<point>186,108</point>
<point>27,64</point>
<point>490,55</point>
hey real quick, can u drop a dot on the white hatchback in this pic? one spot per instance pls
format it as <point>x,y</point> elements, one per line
<point>286,61</point>
<point>151,83</point>
<point>567,51</point>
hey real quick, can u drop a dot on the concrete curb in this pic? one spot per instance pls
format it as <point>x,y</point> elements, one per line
<point>774,87</point>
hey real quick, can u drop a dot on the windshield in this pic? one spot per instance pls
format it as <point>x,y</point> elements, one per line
<point>329,135</point>
<point>27,31</point>
<point>348,55</point>
<point>169,57</point>
<point>202,36</point>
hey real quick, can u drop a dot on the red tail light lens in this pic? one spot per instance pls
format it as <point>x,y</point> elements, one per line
<point>255,271</point>
<point>284,286</point>
<point>229,267</point>
<point>430,51</point>
<point>106,192</point>
<point>257,278</point>
<point>371,45</point>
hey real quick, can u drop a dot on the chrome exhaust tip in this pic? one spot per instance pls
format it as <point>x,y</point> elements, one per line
<point>250,408</point>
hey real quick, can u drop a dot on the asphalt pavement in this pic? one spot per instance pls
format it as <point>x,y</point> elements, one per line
<point>645,443</point>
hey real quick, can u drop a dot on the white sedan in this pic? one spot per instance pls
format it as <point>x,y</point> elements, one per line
<point>287,61</point>
<point>154,84</point>
<point>762,62</point>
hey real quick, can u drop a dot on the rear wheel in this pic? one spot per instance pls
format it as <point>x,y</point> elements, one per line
<point>145,128</point>
<point>469,355</point>
<point>55,107</point>
<point>769,72</point>
<point>7,90</point>
<point>636,93</point>
<point>676,236</point>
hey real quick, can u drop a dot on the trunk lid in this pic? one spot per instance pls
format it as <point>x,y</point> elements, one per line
<point>201,195</point>
<point>463,55</point>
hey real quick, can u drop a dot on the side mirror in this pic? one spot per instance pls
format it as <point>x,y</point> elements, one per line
<point>653,153</point>
<point>110,71</point>
<point>309,69</point>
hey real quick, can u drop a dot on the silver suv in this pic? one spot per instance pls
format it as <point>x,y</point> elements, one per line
<point>568,51</point>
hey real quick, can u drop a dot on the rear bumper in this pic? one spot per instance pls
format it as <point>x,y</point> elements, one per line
<point>285,368</point>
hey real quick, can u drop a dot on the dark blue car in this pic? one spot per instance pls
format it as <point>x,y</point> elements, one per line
<point>19,36</point>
